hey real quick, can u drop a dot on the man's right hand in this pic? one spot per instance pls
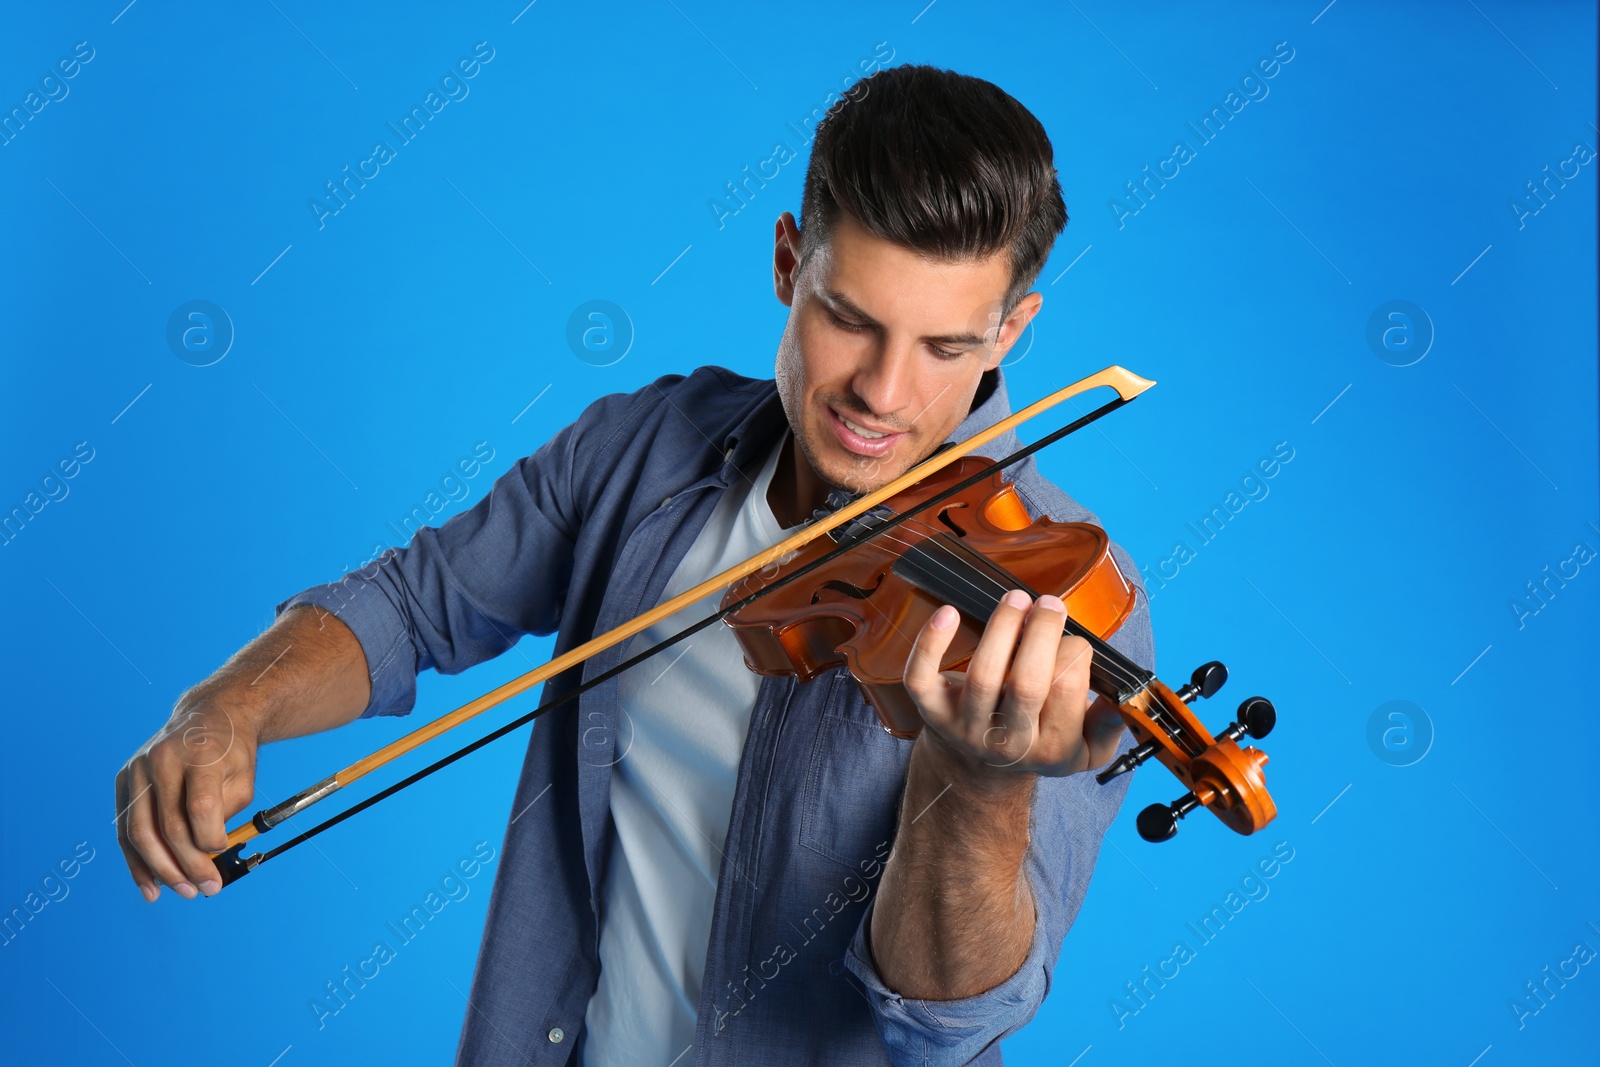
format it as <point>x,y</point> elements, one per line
<point>305,674</point>
<point>177,792</point>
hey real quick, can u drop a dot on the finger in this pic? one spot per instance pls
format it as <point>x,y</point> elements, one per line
<point>238,789</point>
<point>144,834</point>
<point>143,877</point>
<point>1061,722</point>
<point>991,661</point>
<point>1012,727</point>
<point>928,688</point>
<point>203,800</point>
<point>170,774</point>
<point>1036,691</point>
<point>1070,696</point>
<point>1034,669</point>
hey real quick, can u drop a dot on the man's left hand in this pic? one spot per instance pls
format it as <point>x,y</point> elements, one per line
<point>1023,705</point>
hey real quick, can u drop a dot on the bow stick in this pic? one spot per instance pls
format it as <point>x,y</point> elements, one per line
<point>231,865</point>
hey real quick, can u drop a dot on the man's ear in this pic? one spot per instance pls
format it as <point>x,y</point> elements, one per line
<point>1011,329</point>
<point>785,258</point>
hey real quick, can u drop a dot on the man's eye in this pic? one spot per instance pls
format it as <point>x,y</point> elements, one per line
<point>861,327</point>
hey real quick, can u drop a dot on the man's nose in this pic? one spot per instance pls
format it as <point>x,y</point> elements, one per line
<point>886,382</point>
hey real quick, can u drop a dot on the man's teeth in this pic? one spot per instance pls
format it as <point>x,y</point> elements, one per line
<point>861,430</point>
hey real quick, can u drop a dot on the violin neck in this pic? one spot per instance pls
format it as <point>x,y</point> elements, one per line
<point>943,566</point>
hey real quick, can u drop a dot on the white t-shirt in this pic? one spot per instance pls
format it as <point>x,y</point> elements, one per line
<point>684,716</point>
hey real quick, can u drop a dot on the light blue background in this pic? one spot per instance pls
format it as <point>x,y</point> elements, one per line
<point>429,312</point>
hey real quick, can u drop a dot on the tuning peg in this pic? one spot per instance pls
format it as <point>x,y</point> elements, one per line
<point>1204,682</point>
<point>1257,717</point>
<point>1128,761</point>
<point>1159,822</point>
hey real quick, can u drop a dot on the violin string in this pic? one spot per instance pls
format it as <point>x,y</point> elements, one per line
<point>962,571</point>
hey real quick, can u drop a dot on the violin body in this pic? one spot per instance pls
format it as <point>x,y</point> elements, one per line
<point>862,615</point>
<point>864,609</point>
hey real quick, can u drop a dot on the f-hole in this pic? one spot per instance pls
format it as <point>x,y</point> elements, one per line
<point>946,518</point>
<point>855,592</point>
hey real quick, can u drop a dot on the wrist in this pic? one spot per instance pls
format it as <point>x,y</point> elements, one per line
<point>223,704</point>
<point>985,819</point>
<point>973,779</point>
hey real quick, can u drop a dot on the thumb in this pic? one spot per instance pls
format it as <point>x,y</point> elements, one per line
<point>1102,731</point>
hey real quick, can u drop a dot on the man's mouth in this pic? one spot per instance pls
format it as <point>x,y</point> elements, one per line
<point>861,439</point>
<point>862,430</point>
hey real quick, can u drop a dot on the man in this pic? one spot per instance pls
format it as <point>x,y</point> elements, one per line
<point>693,851</point>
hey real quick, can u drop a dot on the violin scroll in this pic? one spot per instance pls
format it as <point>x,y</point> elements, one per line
<point>1229,779</point>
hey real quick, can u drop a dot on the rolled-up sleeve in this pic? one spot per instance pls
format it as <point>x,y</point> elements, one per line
<point>470,589</point>
<point>1069,819</point>
<point>937,1033</point>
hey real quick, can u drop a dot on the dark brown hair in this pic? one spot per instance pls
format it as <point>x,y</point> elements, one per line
<point>942,163</point>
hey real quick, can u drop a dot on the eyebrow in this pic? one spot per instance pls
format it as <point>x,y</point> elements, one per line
<point>846,304</point>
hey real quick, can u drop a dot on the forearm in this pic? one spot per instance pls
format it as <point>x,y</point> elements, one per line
<point>304,674</point>
<point>954,915</point>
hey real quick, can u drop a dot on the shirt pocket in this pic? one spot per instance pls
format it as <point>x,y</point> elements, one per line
<point>857,772</point>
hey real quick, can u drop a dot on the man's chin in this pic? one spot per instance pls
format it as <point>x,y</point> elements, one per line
<point>841,468</point>
<point>860,475</point>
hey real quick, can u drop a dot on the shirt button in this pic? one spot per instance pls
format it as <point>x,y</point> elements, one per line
<point>557,1035</point>
<point>665,501</point>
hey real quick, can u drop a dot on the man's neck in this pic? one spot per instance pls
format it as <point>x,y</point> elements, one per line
<point>795,491</point>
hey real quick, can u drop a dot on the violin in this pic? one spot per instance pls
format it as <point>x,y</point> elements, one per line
<point>865,575</point>
<point>863,608</point>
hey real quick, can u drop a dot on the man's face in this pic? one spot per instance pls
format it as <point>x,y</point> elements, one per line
<point>884,348</point>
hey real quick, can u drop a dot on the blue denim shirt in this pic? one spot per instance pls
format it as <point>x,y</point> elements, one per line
<point>582,536</point>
